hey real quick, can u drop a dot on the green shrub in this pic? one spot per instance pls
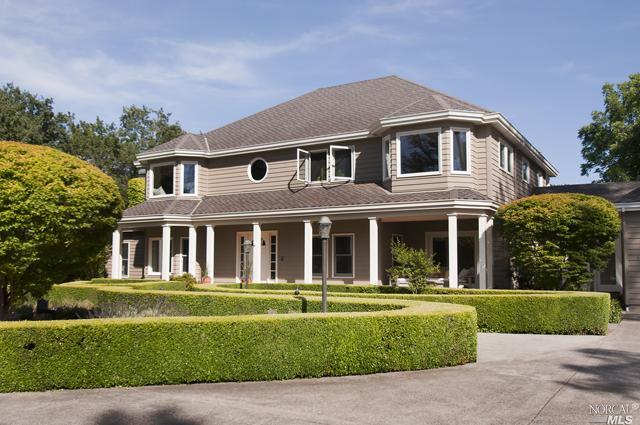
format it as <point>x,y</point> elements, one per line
<point>557,241</point>
<point>507,311</point>
<point>615,312</point>
<point>413,264</point>
<point>404,335</point>
<point>188,279</point>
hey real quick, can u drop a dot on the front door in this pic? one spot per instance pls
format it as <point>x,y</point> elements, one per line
<point>268,256</point>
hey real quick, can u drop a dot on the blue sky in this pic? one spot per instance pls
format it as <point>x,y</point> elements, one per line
<point>541,63</point>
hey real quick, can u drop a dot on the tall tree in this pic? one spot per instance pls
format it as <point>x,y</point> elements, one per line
<point>30,118</point>
<point>611,142</point>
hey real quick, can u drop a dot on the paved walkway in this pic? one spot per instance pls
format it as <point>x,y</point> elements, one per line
<point>519,379</point>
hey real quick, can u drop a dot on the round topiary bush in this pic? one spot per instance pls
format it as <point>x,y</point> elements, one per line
<point>557,241</point>
<point>56,213</point>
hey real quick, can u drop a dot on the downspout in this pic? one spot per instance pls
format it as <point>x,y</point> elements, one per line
<point>623,254</point>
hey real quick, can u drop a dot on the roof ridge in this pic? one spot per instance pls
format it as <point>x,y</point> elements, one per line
<point>441,93</point>
<point>358,82</point>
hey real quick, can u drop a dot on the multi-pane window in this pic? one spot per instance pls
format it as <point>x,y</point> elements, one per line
<point>524,172</point>
<point>460,148</point>
<point>386,158</point>
<point>419,152</point>
<point>244,252</point>
<point>342,162</point>
<point>506,158</point>
<point>189,178</point>
<point>335,164</point>
<point>343,255</point>
<point>316,254</point>
<point>124,251</point>
<point>273,264</point>
<point>162,180</point>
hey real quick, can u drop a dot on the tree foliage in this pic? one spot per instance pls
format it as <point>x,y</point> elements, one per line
<point>49,203</point>
<point>557,241</point>
<point>109,146</point>
<point>411,264</point>
<point>611,142</point>
<point>135,191</point>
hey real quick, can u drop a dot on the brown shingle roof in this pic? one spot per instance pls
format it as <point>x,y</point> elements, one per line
<point>616,192</point>
<point>328,111</point>
<point>281,200</point>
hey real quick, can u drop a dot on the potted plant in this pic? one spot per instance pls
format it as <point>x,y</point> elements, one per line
<point>206,279</point>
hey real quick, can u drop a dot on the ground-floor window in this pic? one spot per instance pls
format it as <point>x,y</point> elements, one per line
<point>124,251</point>
<point>184,253</point>
<point>316,251</point>
<point>343,255</point>
<point>154,255</point>
<point>439,249</point>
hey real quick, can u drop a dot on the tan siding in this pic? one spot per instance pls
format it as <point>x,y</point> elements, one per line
<point>632,257</point>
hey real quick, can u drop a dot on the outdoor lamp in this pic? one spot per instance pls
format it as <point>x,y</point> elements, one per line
<point>324,227</point>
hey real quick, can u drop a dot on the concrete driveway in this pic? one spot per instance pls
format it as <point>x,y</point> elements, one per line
<point>519,379</point>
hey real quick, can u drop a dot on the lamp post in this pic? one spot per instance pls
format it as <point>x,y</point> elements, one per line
<point>324,229</point>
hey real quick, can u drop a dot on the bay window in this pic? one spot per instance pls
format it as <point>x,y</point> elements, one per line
<point>162,179</point>
<point>189,178</point>
<point>418,152</point>
<point>461,154</point>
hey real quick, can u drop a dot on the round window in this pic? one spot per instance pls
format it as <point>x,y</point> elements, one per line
<point>258,170</point>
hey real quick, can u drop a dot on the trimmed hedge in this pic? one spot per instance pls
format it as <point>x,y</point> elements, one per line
<point>505,311</point>
<point>408,335</point>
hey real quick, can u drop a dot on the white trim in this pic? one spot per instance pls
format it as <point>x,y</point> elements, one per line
<point>332,160</point>
<point>307,160</point>
<point>210,249</point>
<point>116,255</point>
<point>429,236</point>
<point>468,149</point>
<point>258,158</point>
<point>193,250</point>
<point>308,251</point>
<point>128,258</point>
<point>419,206</point>
<point>452,239</point>
<point>182,255</point>
<point>481,253</point>
<point>527,180</point>
<point>628,206</point>
<point>165,252</point>
<point>256,266</point>
<point>386,161</point>
<point>151,177</point>
<point>399,134</point>
<point>510,157</point>
<point>333,256</point>
<point>355,135</point>
<point>248,235</point>
<point>373,250</point>
<point>150,271</point>
<point>195,178</point>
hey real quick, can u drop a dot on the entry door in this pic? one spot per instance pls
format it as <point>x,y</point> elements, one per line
<point>268,256</point>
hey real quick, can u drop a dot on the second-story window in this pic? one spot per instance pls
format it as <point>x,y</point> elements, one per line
<point>460,151</point>
<point>335,164</point>
<point>386,158</point>
<point>162,177</point>
<point>418,152</point>
<point>506,158</point>
<point>524,172</point>
<point>318,166</point>
<point>189,178</point>
<point>342,163</point>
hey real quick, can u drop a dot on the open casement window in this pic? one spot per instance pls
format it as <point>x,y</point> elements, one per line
<point>312,166</point>
<point>303,160</point>
<point>342,163</point>
<point>386,158</point>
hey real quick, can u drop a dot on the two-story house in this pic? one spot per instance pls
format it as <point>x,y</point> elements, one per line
<point>386,159</point>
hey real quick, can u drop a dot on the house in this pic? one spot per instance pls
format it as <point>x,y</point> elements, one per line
<point>622,274</point>
<point>386,159</point>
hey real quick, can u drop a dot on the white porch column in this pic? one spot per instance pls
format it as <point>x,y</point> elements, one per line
<point>193,238</point>
<point>116,255</point>
<point>482,252</point>
<point>166,252</point>
<point>308,251</point>
<point>257,253</point>
<point>489,238</point>
<point>373,251</point>
<point>453,250</point>
<point>209,251</point>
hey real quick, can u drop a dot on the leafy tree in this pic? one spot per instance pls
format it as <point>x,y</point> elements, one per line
<point>49,203</point>
<point>557,241</point>
<point>135,191</point>
<point>31,118</point>
<point>412,264</point>
<point>611,143</point>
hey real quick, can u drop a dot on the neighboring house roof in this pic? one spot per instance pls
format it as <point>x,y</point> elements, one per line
<point>327,111</point>
<point>286,200</point>
<point>618,192</point>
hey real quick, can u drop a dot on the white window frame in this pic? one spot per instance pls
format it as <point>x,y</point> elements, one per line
<point>181,269</point>
<point>332,171</point>
<point>151,177</point>
<point>399,153</point>
<point>307,159</point>
<point>468,141</point>
<point>510,157</point>
<point>430,236</point>
<point>195,178</point>
<point>540,180</point>
<point>307,166</point>
<point>386,161</point>
<point>315,235</point>
<point>126,258</point>
<point>150,270</point>
<point>526,178</point>
<point>265,174</point>
<point>353,256</point>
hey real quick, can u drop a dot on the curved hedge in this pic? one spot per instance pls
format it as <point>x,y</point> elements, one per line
<point>386,335</point>
<point>506,311</point>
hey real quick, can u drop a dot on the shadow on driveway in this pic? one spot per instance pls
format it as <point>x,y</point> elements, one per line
<point>164,416</point>
<point>613,371</point>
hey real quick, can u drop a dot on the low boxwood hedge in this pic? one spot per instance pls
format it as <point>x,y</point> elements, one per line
<point>407,335</point>
<point>506,311</point>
